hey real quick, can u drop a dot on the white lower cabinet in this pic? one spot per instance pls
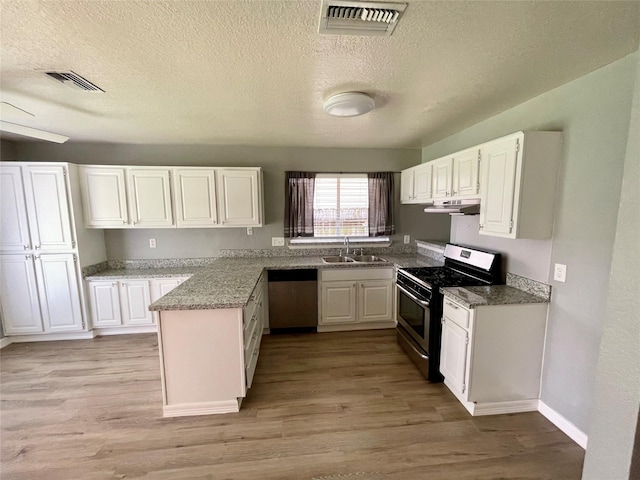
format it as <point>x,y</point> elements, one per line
<point>125,303</point>
<point>491,356</point>
<point>40,294</point>
<point>356,298</point>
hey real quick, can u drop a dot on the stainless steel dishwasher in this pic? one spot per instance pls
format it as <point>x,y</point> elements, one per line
<point>293,300</point>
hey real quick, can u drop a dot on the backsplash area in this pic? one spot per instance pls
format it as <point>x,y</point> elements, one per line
<point>538,289</point>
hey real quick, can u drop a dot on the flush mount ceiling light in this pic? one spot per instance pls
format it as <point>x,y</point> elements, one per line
<point>349,104</point>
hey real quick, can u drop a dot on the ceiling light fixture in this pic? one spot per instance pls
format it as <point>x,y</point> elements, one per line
<point>349,104</point>
<point>32,132</point>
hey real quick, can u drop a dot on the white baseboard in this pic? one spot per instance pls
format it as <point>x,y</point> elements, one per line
<point>5,342</point>
<point>100,332</point>
<point>53,337</point>
<point>203,408</point>
<point>573,432</point>
<point>500,408</point>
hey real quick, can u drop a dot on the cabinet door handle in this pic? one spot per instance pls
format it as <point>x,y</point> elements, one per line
<point>124,221</point>
<point>26,247</point>
<point>27,257</point>
<point>37,247</point>
<point>114,284</point>
<point>36,257</point>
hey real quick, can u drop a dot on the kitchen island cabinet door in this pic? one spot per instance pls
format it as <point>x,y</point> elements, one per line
<point>19,295</point>
<point>104,199</point>
<point>195,197</point>
<point>338,303</point>
<point>240,197</point>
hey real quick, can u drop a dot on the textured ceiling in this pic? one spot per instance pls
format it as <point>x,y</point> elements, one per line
<point>256,72</point>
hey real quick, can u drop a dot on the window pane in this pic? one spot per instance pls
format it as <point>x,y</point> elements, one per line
<point>341,206</point>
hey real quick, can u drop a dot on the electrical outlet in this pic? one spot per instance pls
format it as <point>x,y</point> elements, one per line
<point>560,272</point>
<point>407,239</point>
<point>277,241</point>
<point>249,230</point>
<point>152,243</point>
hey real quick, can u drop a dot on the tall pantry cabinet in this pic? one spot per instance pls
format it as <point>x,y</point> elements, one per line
<point>43,247</point>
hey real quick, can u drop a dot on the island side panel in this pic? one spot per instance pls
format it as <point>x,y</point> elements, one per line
<point>202,364</point>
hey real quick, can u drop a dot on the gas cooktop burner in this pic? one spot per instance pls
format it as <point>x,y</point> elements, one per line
<point>442,277</point>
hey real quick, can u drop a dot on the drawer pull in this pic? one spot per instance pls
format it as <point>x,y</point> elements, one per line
<point>455,307</point>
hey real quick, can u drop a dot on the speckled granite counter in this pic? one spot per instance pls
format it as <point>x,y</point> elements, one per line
<point>228,282</point>
<point>492,295</point>
<point>127,273</point>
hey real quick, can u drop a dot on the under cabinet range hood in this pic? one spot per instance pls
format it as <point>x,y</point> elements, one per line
<point>455,207</point>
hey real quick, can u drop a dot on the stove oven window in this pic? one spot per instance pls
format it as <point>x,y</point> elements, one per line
<point>416,316</point>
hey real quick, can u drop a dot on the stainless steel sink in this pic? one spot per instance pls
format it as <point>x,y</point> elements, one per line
<point>337,259</point>
<point>354,259</point>
<point>368,259</point>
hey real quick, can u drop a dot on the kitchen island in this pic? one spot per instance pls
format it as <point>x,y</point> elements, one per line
<point>210,328</point>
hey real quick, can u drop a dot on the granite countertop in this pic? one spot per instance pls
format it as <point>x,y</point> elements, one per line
<point>491,295</point>
<point>130,273</point>
<point>228,282</point>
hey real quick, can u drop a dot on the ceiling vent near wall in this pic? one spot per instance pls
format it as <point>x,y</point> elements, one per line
<point>72,79</point>
<point>339,17</point>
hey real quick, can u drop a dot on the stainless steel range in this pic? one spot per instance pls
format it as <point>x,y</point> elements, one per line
<point>420,300</point>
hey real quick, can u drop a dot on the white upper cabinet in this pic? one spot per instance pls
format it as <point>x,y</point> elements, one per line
<point>406,185</point>
<point>14,225</point>
<point>518,180</point>
<point>150,197</point>
<point>147,197</point>
<point>35,209</point>
<point>465,174</point>
<point>104,196</point>
<point>48,207</point>
<point>442,177</point>
<point>195,197</point>
<point>416,184</point>
<point>239,197</point>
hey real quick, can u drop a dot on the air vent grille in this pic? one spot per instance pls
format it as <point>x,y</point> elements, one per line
<point>359,18</point>
<point>74,80</point>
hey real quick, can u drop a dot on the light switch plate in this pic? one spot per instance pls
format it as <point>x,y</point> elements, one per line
<point>152,243</point>
<point>560,272</point>
<point>407,239</point>
<point>249,230</point>
<point>277,241</point>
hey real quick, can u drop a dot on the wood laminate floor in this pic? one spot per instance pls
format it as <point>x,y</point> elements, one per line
<point>326,406</point>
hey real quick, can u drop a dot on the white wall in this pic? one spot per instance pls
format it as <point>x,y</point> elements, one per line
<point>617,394</point>
<point>190,243</point>
<point>593,112</point>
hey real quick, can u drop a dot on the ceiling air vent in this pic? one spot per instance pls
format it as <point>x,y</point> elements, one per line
<point>72,79</point>
<point>359,18</point>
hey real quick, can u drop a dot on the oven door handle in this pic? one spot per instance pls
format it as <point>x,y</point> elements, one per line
<point>412,296</point>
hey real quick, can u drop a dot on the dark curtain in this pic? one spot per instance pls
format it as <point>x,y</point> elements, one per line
<point>298,208</point>
<point>381,195</point>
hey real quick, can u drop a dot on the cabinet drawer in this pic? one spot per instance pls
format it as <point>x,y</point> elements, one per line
<point>355,273</point>
<point>456,313</point>
<point>251,361</point>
